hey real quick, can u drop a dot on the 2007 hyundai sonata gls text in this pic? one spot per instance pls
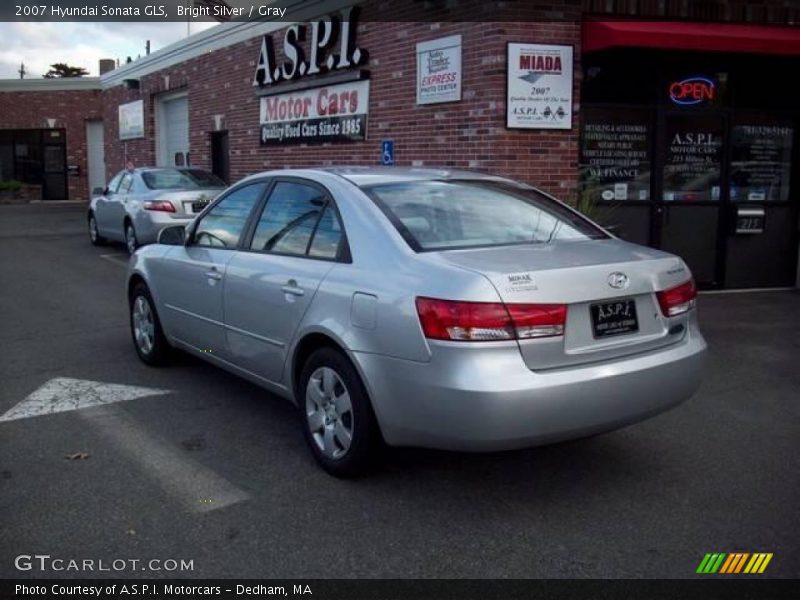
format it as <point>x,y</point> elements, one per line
<point>421,308</point>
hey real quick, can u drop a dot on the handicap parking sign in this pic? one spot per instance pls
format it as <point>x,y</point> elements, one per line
<point>387,152</point>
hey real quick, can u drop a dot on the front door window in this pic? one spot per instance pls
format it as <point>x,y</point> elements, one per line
<point>224,224</point>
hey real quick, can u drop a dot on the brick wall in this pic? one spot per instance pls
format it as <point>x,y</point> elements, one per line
<point>467,134</point>
<point>71,109</point>
<point>141,151</point>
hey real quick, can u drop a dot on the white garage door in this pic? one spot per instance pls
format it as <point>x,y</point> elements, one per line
<point>95,155</point>
<point>174,137</point>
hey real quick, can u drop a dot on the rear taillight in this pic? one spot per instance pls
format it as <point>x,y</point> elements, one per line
<point>678,300</point>
<point>538,320</point>
<point>161,205</point>
<point>489,321</point>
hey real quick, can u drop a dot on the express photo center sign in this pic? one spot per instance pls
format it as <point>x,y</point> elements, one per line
<point>324,113</point>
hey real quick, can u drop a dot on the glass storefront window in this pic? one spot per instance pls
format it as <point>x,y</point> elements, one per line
<point>693,159</point>
<point>6,156</point>
<point>761,161</point>
<point>615,155</point>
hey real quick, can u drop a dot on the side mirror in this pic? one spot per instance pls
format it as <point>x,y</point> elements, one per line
<point>172,236</point>
<point>98,191</point>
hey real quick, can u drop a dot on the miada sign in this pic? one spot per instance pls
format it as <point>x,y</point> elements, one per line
<point>694,90</point>
<point>331,47</point>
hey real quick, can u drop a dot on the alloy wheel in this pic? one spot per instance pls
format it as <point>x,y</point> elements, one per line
<point>144,329</point>
<point>93,229</point>
<point>130,238</point>
<point>329,412</point>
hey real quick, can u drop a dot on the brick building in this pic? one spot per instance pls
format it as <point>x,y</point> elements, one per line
<point>655,127</point>
<point>43,132</point>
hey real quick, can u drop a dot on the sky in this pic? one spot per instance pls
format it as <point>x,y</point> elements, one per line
<point>40,44</point>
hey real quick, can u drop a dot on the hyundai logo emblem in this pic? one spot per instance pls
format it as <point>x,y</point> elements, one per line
<point>618,280</point>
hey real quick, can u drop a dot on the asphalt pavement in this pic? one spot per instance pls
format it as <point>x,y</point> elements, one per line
<point>201,466</point>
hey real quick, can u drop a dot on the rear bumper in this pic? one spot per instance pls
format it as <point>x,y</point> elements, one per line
<point>485,398</point>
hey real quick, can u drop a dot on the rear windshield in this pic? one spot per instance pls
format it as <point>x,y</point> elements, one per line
<point>439,215</point>
<point>183,179</point>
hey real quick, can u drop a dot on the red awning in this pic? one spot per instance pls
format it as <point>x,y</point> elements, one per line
<point>705,37</point>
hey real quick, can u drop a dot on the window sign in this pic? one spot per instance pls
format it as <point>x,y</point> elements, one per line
<point>615,156</point>
<point>749,220</point>
<point>387,152</point>
<point>693,159</point>
<point>691,91</point>
<point>539,86</point>
<point>761,162</point>
<point>439,70</point>
<point>131,120</point>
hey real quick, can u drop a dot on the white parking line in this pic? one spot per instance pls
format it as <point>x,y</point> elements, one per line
<point>116,259</point>
<point>195,486</point>
<point>66,393</point>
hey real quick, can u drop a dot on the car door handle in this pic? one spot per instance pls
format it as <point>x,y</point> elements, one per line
<point>214,274</point>
<point>292,288</point>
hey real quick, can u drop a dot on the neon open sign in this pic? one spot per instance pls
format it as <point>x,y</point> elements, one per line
<point>694,90</point>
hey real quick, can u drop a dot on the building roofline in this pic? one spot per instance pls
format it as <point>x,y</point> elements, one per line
<point>50,85</point>
<point>218,37</point>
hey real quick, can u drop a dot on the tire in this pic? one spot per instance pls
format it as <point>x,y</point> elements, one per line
<point>131,243</point>
<point>148,336</point>
<point>328,379</point>
<point>94,234</point>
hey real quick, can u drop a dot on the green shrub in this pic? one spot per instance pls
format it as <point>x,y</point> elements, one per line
<point>12,185</point>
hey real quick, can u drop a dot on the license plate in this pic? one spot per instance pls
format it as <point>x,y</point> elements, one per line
<point>198,206</point>
<point>614,318</point>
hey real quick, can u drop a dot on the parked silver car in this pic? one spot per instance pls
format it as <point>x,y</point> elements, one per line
<point>421,308</point>
<point>138,203</point>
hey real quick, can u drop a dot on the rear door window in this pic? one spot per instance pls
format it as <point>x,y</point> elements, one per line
<point>289,219</point>
<point>328,237</point>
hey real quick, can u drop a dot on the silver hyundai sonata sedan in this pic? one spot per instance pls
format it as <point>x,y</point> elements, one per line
<point>416,307</point>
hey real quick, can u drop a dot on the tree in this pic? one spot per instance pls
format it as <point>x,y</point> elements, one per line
<point>64,70</point>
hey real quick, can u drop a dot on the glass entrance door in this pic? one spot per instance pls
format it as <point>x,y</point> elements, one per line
<point>220,155</point>
<point>761,226</point>
<point>690,192</point>
<point>54,165</point>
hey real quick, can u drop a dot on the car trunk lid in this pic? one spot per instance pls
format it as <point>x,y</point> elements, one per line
<point>582,275</point>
